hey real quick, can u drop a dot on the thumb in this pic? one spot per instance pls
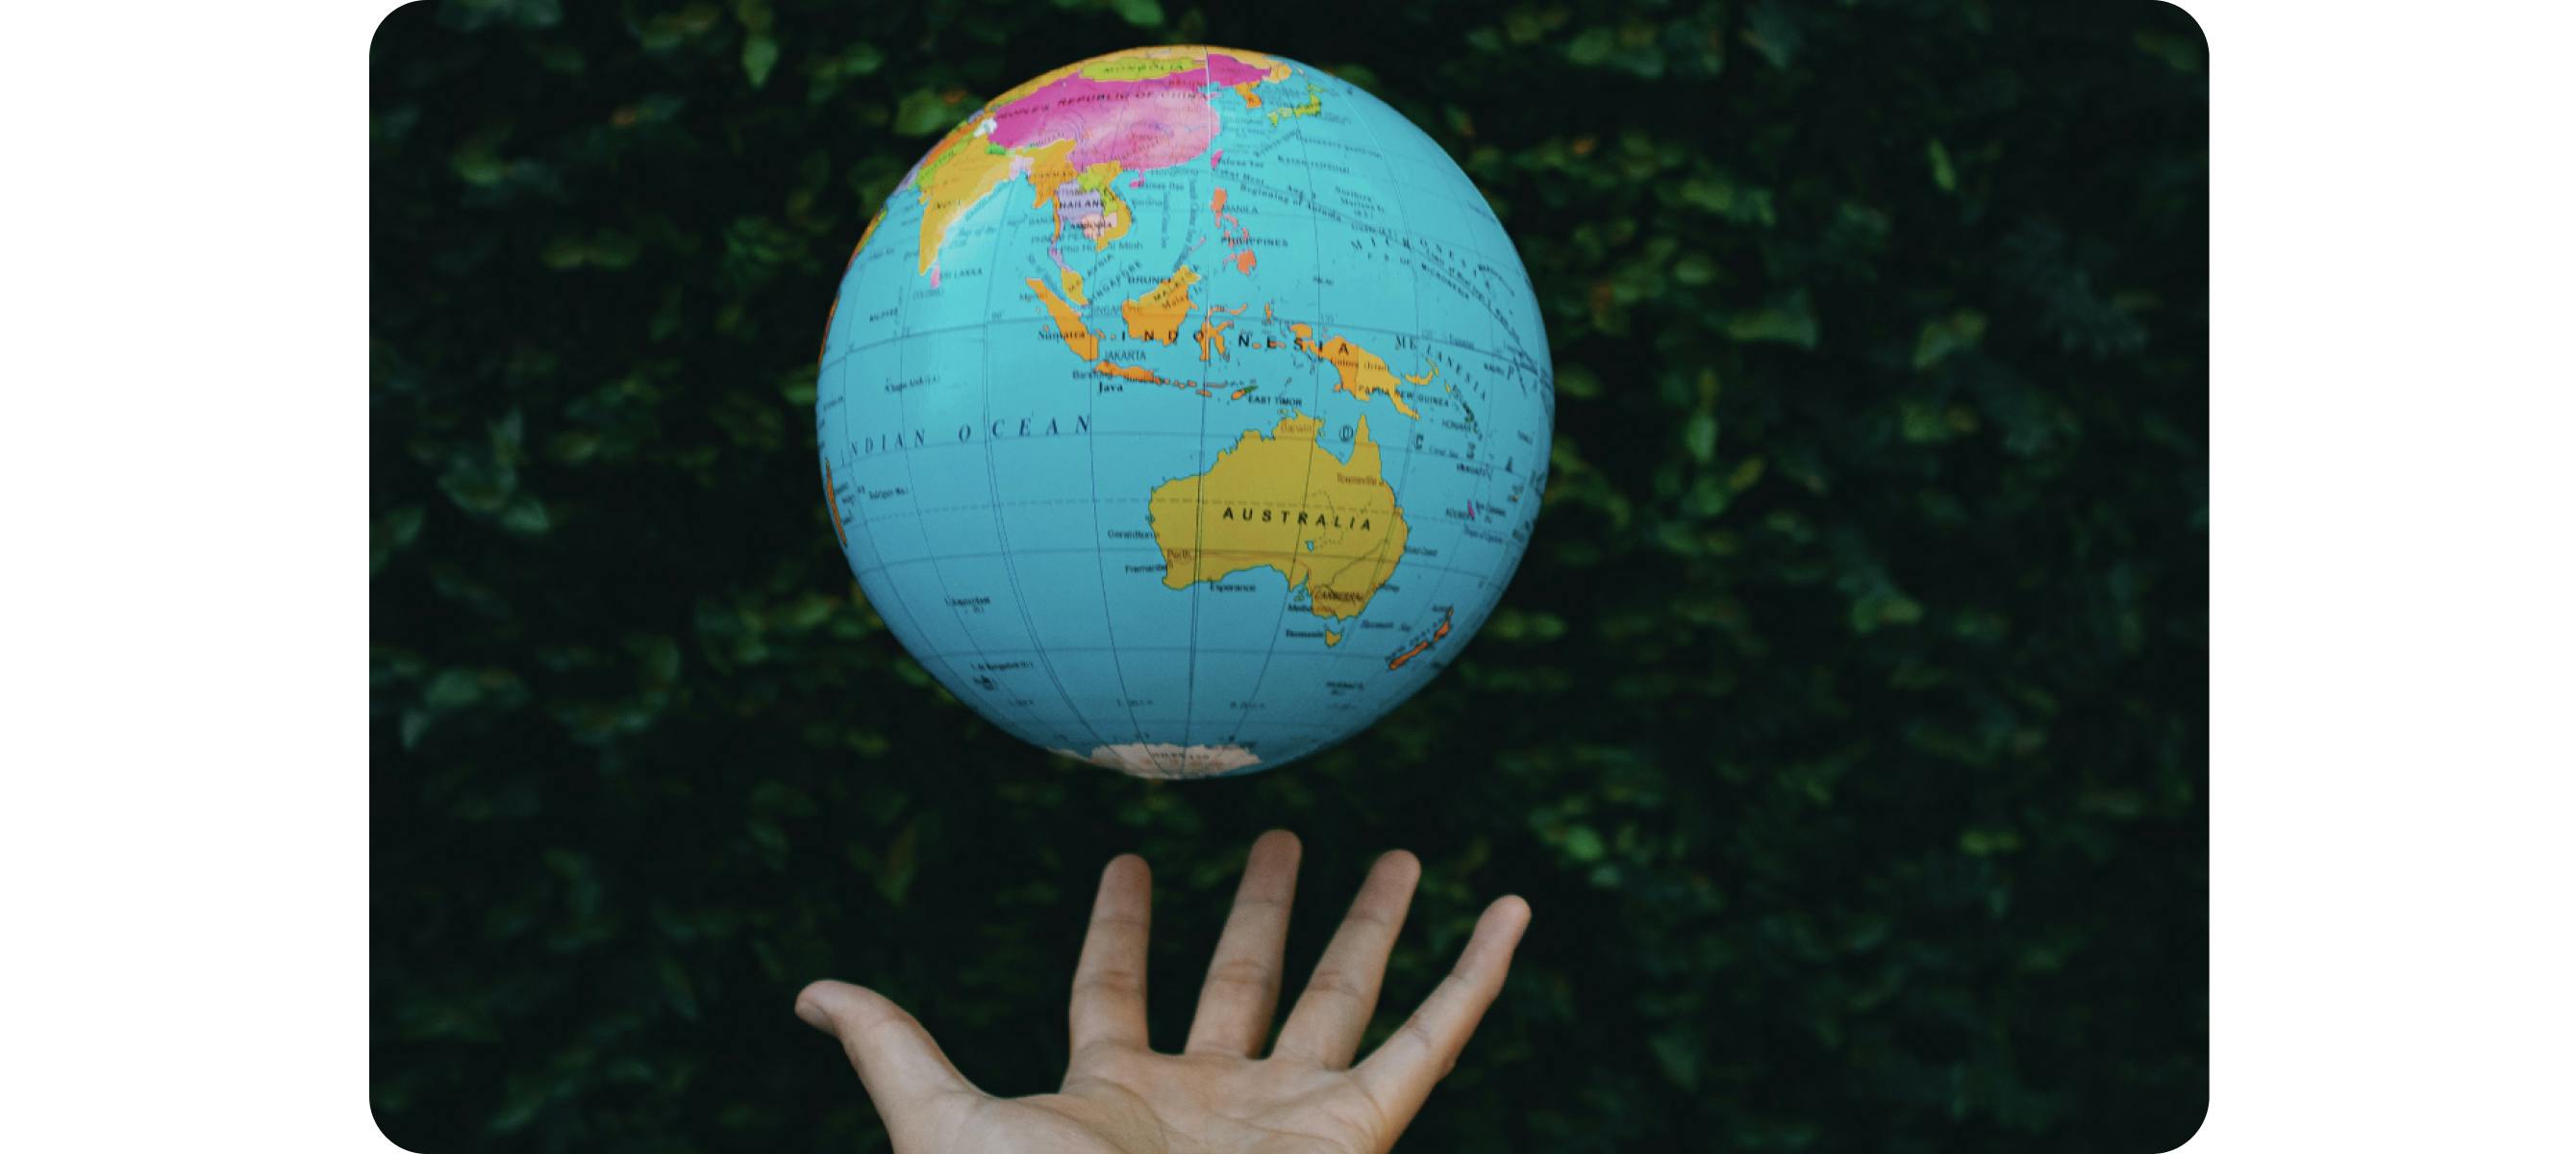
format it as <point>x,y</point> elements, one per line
<point>902,1068</point>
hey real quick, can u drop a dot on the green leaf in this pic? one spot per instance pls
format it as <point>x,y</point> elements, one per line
<point>1700,435</point>
<point>669,30</point>
<point>525,515</point>
<point>1677,1053</point>
<point>1738,203</point>
<point>1745,475</point>
<point>1771,28</point>
<point>392,531</point>
<point>861,59</point>
<point>1591,46</point>
<point>607,250</point>
<point>1921,422</point>
<point>1141,13</point>
<point>452,688</point>
<point>1958,332</point>
<point>759,55</point>
<point>1583,844</point>
<point>1988,842</point>
<point>478,161</point>
<point>923,113</point>
<point>1884,607</point>
<point>1944,175</point>
<point>526,1099</point>
<point>1790,322</point>
<point>1575,380</point>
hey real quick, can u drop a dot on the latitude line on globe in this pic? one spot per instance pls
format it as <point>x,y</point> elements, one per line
<point>1509,347</point>
<point>1335,655</point>
<point>1074,549</point>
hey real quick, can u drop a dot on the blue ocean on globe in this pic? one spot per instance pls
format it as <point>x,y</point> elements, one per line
<point>1184,410</point>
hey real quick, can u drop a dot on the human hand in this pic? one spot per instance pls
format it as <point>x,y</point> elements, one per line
<point>1218,1094</point>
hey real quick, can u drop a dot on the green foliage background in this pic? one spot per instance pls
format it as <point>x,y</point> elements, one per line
<point>1845,726</point>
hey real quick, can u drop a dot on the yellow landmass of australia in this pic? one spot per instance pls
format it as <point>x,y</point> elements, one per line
<point>1280,500</point>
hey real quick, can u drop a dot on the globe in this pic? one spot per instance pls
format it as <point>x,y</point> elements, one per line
<point>1184,410</point>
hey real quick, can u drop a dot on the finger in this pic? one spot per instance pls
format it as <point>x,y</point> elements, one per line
<point>904,1071</point>
<point>1242,987</point>
<point>1109,982</point>
<point>1334,1011</point>
<point>1422,1051</point>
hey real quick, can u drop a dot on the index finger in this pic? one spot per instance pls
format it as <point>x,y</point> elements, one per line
<point>1399,1076</point>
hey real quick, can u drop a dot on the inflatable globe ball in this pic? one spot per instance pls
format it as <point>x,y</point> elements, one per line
<point>1184,410</point>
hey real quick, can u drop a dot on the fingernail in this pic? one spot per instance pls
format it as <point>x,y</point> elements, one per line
<point>813,1015</point>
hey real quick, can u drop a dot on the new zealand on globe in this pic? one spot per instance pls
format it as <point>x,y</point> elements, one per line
<point>1184,410</point>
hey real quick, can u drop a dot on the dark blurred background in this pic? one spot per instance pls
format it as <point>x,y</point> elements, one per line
<point>1845,726</point>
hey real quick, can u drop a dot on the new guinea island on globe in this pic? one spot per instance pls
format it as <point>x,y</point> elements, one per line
<point>1184,410</point>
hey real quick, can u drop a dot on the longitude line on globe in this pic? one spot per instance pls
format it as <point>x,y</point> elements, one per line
<point>1100,564</point>
<point>993,474</point>
<point>1306,492</point>
<point>867,522</point>
<point>1397,189</point>
<point>1315,374</point>
<point>1190,691</point>
<point>930,551</point>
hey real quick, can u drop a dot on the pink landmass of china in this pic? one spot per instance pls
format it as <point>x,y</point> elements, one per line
<point>1142,124</point>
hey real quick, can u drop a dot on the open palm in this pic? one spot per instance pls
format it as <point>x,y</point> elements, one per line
<point>1218,1093</point>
